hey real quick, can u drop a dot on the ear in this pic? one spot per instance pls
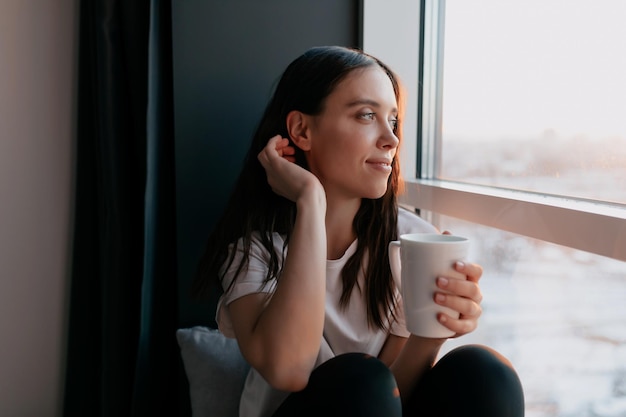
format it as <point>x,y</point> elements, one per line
<point>299,129</point>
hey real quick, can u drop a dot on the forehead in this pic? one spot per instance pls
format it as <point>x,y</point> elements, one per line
<point>369,83</point>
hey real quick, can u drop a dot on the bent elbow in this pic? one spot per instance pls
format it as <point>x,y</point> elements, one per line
<point>288,383</point>
<point>287,378</point>
<point>281,368</point>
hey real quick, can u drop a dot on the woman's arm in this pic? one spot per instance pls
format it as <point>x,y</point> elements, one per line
<point>280,336</point>
<point>410,358</point>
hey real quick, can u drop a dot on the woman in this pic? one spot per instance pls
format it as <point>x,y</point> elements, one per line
<point>301,253</point>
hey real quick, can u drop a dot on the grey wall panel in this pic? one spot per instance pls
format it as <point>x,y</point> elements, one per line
<point>228,55</point>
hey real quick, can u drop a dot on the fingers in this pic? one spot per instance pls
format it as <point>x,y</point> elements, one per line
<point>463,296</point>
<point>473,271</point>
<point>284,177</point>
<point>460,289</point>
<point>282,147</point>
<point>288,152</point>
<point>460,326</point>
<point>469,310</point>
<point>266,155</point>
<point>277,147</point>
<point>466,306</point>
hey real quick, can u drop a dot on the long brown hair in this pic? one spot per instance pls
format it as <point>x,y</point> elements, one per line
<point>254,208</point>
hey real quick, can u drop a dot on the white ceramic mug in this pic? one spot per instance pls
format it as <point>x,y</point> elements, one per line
<point>419,259</point>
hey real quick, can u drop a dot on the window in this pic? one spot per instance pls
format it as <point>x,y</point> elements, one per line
<point>535,93</point>
<point>550,232</point>
<point>558,314</point>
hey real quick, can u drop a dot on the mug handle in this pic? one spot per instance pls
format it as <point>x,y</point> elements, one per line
<point>394,259</point>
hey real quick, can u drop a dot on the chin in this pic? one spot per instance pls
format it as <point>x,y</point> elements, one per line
<point>376,193</point>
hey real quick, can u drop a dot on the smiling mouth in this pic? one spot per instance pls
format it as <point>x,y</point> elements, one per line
<point>385,166</point>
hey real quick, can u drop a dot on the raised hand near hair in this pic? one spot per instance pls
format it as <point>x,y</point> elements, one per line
<point>265,326</point>
<point>284,176</point>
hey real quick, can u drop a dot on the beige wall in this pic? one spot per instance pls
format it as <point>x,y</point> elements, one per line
<point>38,50</point>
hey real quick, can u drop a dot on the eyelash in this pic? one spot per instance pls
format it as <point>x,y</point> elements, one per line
<point>370,116</point>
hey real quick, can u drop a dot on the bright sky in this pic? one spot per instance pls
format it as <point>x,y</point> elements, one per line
<point>535,65</point>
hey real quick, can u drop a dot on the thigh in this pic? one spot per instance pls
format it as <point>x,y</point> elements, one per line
<point>353,384</point>
<point>468,381</point>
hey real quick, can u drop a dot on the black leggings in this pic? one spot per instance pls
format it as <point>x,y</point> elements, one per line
<point>469,381</point>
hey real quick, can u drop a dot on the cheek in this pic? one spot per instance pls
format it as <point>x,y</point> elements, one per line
<point>339,154</point>
<point>324,161</point>
<point>337,147</point>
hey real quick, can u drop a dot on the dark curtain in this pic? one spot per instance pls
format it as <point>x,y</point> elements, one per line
<point>122,354</point>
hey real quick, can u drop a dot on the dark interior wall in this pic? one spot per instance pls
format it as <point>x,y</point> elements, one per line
<point>228,55</point>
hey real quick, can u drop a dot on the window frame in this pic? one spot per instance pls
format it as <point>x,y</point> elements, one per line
<point>391,33</point>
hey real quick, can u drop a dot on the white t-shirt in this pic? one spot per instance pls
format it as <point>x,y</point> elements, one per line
<point>345,330</point>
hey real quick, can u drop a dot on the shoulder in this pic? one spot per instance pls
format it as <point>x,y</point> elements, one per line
<point>255,257</point>
<point>258,248</point>
<point>409,222</point>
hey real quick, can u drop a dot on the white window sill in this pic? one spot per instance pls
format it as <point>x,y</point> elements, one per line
<point>594,227</point>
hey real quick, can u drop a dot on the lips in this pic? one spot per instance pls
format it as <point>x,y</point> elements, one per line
<point>381,163</point>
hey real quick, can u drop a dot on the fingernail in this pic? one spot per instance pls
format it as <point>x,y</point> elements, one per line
<point>440,298</point>
<point>460,265</point>
<point>443,282</point>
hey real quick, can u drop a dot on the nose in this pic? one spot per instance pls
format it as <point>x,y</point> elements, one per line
<point>388,139</point>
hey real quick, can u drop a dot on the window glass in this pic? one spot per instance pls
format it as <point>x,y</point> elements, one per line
<point>558,314</point>
<point>534,96</point>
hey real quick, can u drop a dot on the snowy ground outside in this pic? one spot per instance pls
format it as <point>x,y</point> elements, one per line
<point>560,316</point>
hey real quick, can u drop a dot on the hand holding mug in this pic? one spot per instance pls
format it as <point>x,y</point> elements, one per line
<point>462,296</point>
<point>440,293</point>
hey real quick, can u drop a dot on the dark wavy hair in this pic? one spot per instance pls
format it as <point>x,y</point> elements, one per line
<point>254,208</point>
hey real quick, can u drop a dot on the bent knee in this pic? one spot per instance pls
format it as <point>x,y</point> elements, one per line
<point>484,368</point>
<point>481,355</point>
<point>482,379</point>
<point>360,368</point>
<point>357,384</point>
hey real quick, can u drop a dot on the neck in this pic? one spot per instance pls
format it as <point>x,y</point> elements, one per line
<point>339,230</point>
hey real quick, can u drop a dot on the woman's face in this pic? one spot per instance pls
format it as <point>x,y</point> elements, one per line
<point>353,140</point>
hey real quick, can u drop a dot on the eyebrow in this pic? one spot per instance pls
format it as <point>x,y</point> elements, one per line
<point>367,101</point>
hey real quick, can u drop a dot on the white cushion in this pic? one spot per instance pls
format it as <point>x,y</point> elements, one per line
<point>216,371</point>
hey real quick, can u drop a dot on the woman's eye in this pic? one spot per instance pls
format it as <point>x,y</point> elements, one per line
<point>372,116</point>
